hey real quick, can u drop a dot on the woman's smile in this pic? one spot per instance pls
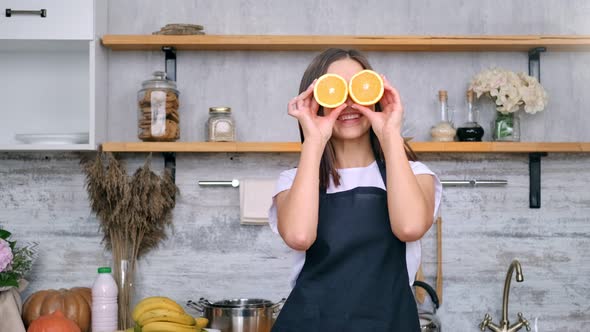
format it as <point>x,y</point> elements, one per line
<point>348,119</point>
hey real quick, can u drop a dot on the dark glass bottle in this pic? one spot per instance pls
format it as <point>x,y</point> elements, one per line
<point>470,131</point>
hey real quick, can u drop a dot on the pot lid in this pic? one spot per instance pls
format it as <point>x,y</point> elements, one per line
<point>243,303</point>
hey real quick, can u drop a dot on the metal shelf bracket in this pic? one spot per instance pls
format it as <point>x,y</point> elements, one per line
<point>535,62</point>
<point>170,62</point>
<point>535,158</point>
<point>170,67</point>
<point>535,179</point>
<point>170,163</point>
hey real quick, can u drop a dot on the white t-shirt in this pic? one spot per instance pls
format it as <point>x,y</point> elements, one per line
<point>351,178</point>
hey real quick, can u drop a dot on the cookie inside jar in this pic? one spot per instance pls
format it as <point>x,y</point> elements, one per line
<point>158,105</point>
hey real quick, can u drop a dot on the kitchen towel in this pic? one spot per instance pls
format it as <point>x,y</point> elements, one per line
<point>255,200</point>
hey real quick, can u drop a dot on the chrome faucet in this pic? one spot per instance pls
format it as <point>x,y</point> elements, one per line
<point>505,324</point>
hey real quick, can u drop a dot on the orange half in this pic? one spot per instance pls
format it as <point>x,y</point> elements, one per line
<point>330,90</point>
<point>366,87</point>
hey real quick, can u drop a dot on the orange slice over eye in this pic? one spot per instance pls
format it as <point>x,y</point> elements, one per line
<point>330,90</point>
<point>366,87</point>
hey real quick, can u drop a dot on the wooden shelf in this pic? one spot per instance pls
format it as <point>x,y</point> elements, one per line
<point>365,43</point>
<point>418,147</point>
<point>201,146</point>
<point>500,147</point>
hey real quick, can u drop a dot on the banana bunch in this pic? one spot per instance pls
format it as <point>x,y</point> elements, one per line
<point>161,314</point>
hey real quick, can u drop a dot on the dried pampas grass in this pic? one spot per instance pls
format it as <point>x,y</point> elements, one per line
<point>133,211</point>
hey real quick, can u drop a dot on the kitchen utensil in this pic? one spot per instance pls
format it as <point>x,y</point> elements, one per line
<point>239,315</point>
<point>420,292</point>
<point>439,276</point>
<point>429,322</point>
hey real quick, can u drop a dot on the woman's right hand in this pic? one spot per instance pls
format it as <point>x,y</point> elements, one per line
<point>305,109</point>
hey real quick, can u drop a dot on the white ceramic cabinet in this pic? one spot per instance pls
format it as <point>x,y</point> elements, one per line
<point>53,84</point>
<point>46,19</point>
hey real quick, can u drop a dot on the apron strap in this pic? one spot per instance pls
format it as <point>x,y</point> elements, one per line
<point>381,165</point>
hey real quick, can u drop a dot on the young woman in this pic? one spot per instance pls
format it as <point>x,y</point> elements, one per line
<point>353,211</point>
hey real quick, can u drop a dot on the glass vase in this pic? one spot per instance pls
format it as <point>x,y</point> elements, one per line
<point>124,278</point>
<point>506,127</point>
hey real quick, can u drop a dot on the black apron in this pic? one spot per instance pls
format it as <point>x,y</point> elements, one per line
<point>355,276</point>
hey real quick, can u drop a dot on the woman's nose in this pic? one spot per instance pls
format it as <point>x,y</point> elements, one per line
<point>349,101</point>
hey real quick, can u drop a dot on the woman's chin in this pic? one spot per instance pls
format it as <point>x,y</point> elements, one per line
<point>350,133</point>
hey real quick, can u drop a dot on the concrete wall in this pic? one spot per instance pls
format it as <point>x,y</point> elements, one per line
<point>209,254</point>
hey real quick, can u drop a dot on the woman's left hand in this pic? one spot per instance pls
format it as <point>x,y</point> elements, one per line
<point>387,123</point>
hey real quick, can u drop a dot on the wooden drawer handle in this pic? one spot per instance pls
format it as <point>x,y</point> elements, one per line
<point>40,12</point>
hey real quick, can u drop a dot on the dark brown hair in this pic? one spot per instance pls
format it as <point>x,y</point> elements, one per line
<point>317,68</point>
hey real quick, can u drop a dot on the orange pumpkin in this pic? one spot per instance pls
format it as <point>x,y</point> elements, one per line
<point>55,322</point>
<point>74,303</point>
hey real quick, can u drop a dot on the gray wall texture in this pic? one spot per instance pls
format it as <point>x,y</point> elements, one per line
<point>208,254</point>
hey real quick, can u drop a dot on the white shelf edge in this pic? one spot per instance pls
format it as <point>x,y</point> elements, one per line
<point>47,147</point>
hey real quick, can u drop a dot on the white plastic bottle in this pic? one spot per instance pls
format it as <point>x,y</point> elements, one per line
<point>104,302</point>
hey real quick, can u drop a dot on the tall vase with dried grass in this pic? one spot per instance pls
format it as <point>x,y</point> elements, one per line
<point>133,211</point>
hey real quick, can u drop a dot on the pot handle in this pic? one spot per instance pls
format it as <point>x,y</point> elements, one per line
<point>276,308</point>
<point>430,292</point>
<point>198,306</point>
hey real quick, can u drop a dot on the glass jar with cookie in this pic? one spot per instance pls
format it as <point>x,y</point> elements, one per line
<point>158,118</point>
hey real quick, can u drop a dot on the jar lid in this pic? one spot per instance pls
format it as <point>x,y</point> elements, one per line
<point>219,109</point>
<point>159,81</point>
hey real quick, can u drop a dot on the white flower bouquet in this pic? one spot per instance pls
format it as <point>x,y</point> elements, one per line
<point>510,90</point>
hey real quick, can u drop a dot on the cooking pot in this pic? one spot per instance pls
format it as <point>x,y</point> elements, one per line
<point>429,322</point>
<point>239,315</point>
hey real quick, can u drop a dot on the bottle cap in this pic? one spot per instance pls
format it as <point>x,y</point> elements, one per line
<point>219,109</point>
<point>442,94</point>
<point>104,269</point>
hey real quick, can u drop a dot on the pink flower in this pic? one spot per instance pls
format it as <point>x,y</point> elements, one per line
<point>5,255</point>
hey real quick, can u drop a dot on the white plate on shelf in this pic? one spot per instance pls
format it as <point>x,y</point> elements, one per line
<point>74,138</point>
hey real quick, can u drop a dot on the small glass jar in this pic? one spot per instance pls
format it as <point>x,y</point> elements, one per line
<point>220,126</point>
<point>158,118</point>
